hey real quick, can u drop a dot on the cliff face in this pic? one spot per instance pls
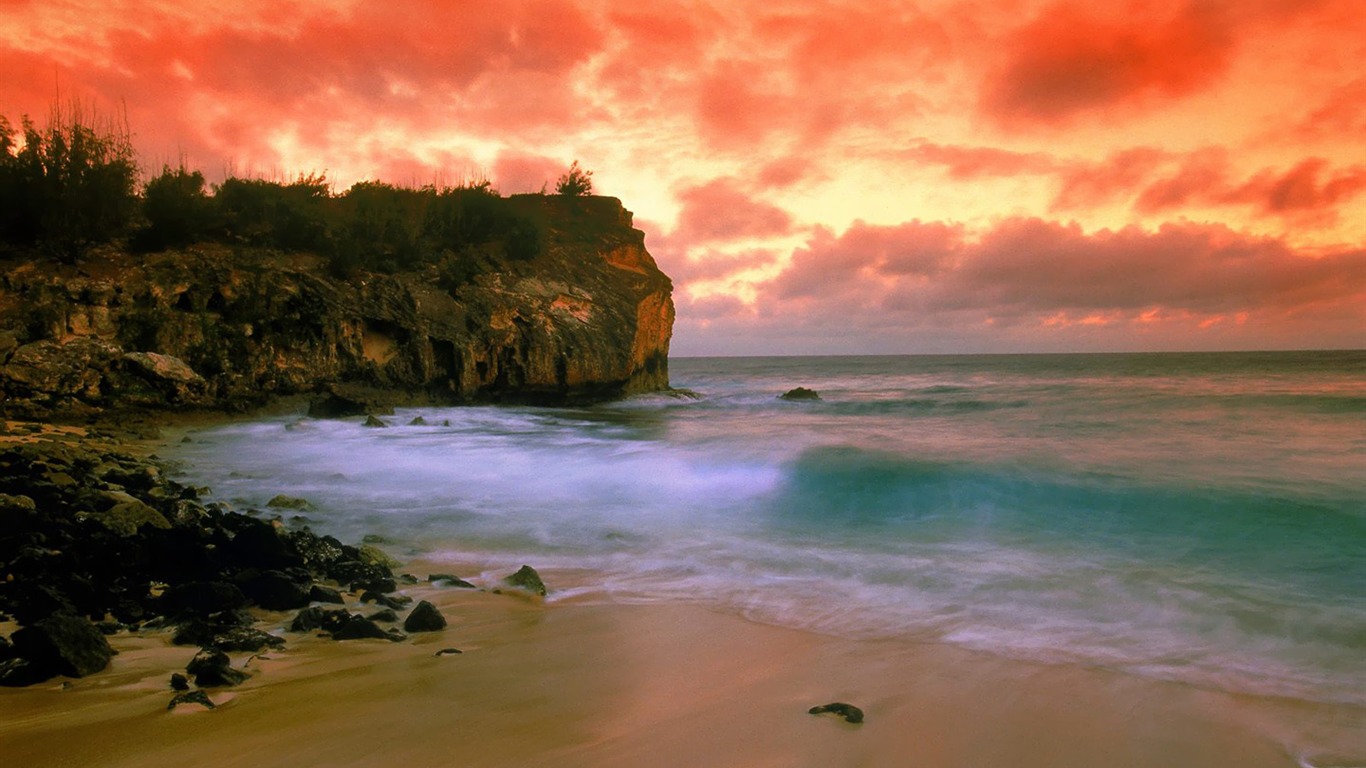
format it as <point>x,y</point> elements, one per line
<point>589,318</point>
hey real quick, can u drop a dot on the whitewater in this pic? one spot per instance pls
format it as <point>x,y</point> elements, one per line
<point>1189,517</point>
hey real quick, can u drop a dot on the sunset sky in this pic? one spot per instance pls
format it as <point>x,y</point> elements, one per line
<point>817,177</point>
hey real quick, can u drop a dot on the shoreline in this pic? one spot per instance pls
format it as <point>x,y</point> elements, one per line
<point>623,685</point>
<point>581,683</point>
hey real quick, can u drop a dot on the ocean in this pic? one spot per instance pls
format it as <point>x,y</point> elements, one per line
<point>1191,517</point>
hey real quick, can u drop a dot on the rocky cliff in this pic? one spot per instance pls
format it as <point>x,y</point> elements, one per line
<point>215,326</point>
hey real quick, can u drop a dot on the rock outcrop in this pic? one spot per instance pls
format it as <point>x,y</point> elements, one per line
<point>215,326</point>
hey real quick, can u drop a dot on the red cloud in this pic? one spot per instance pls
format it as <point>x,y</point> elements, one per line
<point>719,210</point>
<point>1047,276</point>
<point>1200,175</point>
<point>966,163</point>
<point>255,95</point>
<point>515,173</point>
<point>1067,61</point>
<point>1300,188</point>
<point>828,262</point>
<point>1084,185</point>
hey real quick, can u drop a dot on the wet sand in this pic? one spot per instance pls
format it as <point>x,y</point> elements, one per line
<point>566,684</point>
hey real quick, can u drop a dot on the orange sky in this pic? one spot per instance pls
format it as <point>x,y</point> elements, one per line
<point>818,177</point>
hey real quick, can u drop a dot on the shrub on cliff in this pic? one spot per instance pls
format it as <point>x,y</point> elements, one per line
<point>576,182</point>
<point>269,214</point>
<point>177,209</point>
<point>69,186</point>
<point>379,227</point>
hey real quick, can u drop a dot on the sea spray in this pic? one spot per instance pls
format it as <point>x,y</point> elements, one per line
<point>1190,517</point>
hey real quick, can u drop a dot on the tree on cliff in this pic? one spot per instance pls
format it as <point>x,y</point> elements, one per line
<point>575,182</point>
<point>69,185</point>
<point>177,208</point>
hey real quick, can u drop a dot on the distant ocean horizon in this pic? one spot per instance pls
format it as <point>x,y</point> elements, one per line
<point>1188,516</point>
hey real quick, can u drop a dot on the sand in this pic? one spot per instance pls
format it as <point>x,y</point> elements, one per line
<point>562,683</point>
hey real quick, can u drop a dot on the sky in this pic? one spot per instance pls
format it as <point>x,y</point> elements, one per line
<point>887,176</point>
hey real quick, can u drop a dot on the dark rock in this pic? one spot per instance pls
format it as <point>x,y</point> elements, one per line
<point>258,544</point>
<point>407,578</point>
<point>394,602</point>
<point>448,652</point>
<point>316,617</point>
<point>849,712</point>
<point>450,581</point>
<point>376,556</point>
<point>282,501</point>
<point>318,553</point>
<point>212,669</point>
<point>203,630</point>
<point>275,591</point>
<point>201,598</point>
<point>424,618</point>
<point>527,578</point>
<point>18,673</point>
<point>418,421</point>
<point>800,393</point>
<point>361,575</point>
<point>179,682</point>
<point>66,644</point>
<point>378,586</point>
<point>127,518</point>
<point>374,421</point>
<point>245,639</point>
<point>191,697</point>
<point>358,627</point>
<point>322,594</point>
<point>387,615</point>
<point>335,405</point>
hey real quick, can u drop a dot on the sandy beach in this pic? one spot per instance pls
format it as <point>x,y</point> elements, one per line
<point>564,684</point>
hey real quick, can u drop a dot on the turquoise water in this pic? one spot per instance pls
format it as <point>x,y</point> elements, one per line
<point>1195,517</point>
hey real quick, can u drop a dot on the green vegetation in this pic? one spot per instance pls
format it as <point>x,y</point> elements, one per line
<point>576,182</point>
<point>70,186</point>
<point>66,186</point>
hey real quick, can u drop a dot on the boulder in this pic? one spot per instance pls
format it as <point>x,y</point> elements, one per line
<point>64,644</point>
<point>201,598</point>
<point>450,581</point>
<point>126,518</point>
<point>212,668</point>
<point>316,617</point>
<point>387,615</point>
<point>528,579</point>
<point>198,698</point>
<point>424,618</point>
<point>849,712</point>
<point>374,421</point>
<point>176,380</point>
<point>281,501</point>
<point>357,627</point>
<point>275,591</point>
<point>799,393</point>
<point>323,594</point>
<point>19,673</point>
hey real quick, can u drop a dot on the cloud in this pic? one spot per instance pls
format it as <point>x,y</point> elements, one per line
<point>317,82</point>
<point>1301,188</point>
<point>1048,285</point>
<point>514,172</point>
<point>1343,112</point>
<point>720,211</point>
<point>1068,61</point>
<point>972,162</point>
<point>1089,184</point>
